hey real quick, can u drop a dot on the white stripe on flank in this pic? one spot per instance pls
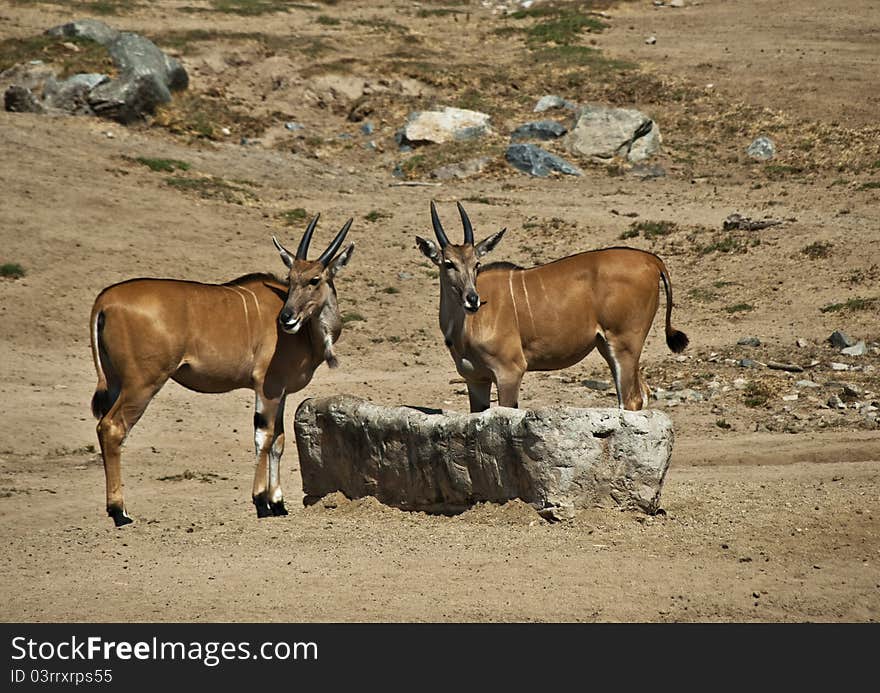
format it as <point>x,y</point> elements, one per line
<point>522,277</point>
<point>513,300</point>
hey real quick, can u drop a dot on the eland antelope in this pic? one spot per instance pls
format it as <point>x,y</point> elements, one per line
<point>254,332</point>
<point>500,320</point>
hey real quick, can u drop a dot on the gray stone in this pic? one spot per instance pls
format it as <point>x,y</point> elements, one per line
<point>461,170</point>
<point>293,126</point>
<point>807,383</point>
<point>535,161</point>
<point>790,367</point>
<point>18,99</point>
<point>748,363</point>
<point>762,149</point>
<point>71,95</point>
<point>91,29</point>
<point>367,128</point>
<point>835,366</point>
<point>647,171</point>
<point>749,341</point>
<point>801,343</point>
<point>447,125</point>
<point>545,103</point>
<point>606,133</point>
<point>128,100</point>
<point>835,402</point>
<point>857,349</point>
<point>840,339</point>
<point>137,56</point>
<point>538,130</point>
<point>417,459</point>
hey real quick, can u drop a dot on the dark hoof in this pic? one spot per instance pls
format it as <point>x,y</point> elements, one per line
<point>120,519</point>
<point>278,508</point>
<point>263,508</point>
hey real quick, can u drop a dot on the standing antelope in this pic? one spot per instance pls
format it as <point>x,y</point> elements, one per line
<point>254,332</point>
<point>500,320</point>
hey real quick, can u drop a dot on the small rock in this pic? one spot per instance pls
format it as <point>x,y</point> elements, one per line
<point>851,393</point>
<point>801,343</point>
<point>290,125</point>
<point>462,169</point>
<point>840,339</point>
<point>226,131</point>
<point>450,124</point>
<point>600,385</point>
<point>857,349</point>
<point>367,128</point>
<point>403,276</point>
<point>676,3</point>
<point>18,99</point>
<point>839,366</point>
<point>651,40</point>
<point>538,130</point>
<point>762,149</point>
<point>807,383</point>
<point>749,341</point>
<point>535,161</point>
<point>835,402</point>
<point>748,363</point>
<point>545,103</point>
<point>790,367</point>
<point>790,398</point>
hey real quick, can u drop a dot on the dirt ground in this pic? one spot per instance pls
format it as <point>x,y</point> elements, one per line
<point>771,501</point>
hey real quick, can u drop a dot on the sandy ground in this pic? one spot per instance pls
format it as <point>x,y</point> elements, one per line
<point>771,508</point>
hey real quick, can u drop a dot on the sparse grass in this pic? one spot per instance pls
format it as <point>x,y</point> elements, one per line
<point>293,217</point>
<point>629,233</point>
<point>202,117</point>
<point>862,275</point>
<point>390,290</point>
<point>817,250</point>
<point>723,424</point>
<point>653,229</point>
<point>375,215</point>
<point>727,244</point>
<point>702,295</point>
<point>352,317</point>
<point>212,188</point>
<point>578,56</point>
<point>165,165</point>
<point>757,394</point>
<point>250,8</point>
<point>328,20</point>
<point>90,56</point>
<point>720,284</point>
<point>778,171</point>
<point>12,270</point>
<point>738,308</point>
<point>182,40</point>
<point>380,24</point>
<point>851,305</point>
<point>189,475</point>
<point>870,185</point>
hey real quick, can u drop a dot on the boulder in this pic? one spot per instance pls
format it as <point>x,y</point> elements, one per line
<point>545,103</point>
<point>535,161</point>
<point>606,133</point>
<point>761,149</point>
<point>91,29</point>
<point>556,459</point>
<point>445,126</point>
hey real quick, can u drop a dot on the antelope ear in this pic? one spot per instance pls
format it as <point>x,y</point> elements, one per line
<point>488,244</point>
<point>340,260</point>
<point>429,249</point>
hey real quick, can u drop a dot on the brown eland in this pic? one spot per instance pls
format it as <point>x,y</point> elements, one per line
<point>255,332</point>
<point>500,320</point>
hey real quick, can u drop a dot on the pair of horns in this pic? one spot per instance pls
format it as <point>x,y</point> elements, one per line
<point>441,234</point>
<point>303,248</point>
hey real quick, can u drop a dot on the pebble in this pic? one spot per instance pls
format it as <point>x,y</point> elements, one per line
<point>748,363</point>
<point>841,339</point>
<point>740,384</point>
<point>651,40</point>
<point>749,341</point>
<point>596,384</point>
<point>290,125</point>
<point>790,398</point>
<point>790,367</point>
<point>839,366</point>
<point>857,349</point>
<point>761,149</point>
<point>835,402</point>
<point>806,383</point>
<point>801,343</point>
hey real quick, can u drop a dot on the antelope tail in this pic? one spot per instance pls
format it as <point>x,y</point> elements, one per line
<point>103,398</point>
<point>676,340</point>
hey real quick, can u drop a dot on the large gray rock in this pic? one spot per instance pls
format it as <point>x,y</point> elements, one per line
<point>137,56</point>
<point>91,29</point>
<point>445,126</point>
<point>606,133</point>
<point>72,94</point>
<point>556,459</point>
<point>531,159</point>
<point>538,130</point>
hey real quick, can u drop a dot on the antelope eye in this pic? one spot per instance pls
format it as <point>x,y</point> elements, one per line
<point>448,265</point>
<point>314,281</point>
<point>477,267</point>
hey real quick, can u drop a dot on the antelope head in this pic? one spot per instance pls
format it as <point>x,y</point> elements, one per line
<point>459,264</point>
<point>310,289</point>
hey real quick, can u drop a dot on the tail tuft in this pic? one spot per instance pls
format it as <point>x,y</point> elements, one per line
<point>101,402</point>
<point>677,341</point>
